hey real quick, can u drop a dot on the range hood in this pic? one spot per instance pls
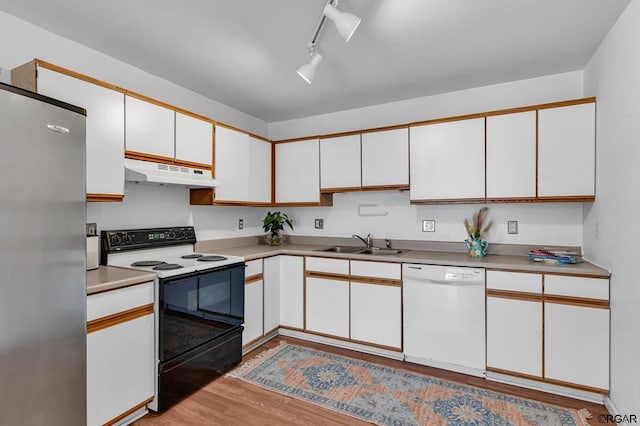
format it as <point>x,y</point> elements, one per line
<point>144,171</point>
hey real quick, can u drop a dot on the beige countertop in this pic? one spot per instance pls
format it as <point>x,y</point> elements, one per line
<point>110,278</point>
<point>497,261</point>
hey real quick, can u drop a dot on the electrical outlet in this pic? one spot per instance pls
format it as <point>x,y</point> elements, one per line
<point>428,226</point>
<point>319,223</point>
<point>512,227</point>
<point>240,223</point>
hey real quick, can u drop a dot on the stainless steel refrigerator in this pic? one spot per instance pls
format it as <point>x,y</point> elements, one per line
<point>42,261</point>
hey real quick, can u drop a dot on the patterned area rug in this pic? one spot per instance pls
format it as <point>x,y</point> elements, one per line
<point>388,396</point>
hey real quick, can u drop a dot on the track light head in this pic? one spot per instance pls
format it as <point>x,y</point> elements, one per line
<point>308,70</point>
<point>346,23</point>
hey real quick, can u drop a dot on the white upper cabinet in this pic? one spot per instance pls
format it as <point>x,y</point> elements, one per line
<point>194,140</point>
<point>232,164</point>
<point>243,167</point>
<point>149,128</point>
<point>104,127</point>
<point>340,162</point>
<point>259,171</point>
<point>385,158</point>
<point>511,155</point>
<point>566,151</point>
<point>447,160</point>
<point>298,172</point>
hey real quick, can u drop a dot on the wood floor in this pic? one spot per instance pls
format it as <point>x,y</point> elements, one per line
<point>235,402</point>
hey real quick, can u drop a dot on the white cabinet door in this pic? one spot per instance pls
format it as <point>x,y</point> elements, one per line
<point>511,155</point>
<point>327,303</point>
<point>259,171</point>
<point>104,127</point>
<point>120,369</point>
<point>340,162</point>
<point>272,293</point>
<point>376,314</point>
<point>514,335</point>
<point>385,158</point>
<point>253,313</point>
<point>447,160</point>
<point>298,172</point>
<point>291,291</point>
<point>194,140</point>
<point>566,151</point>
<point>149,128</point>
<point>232,164</point>
<point>576,345</point>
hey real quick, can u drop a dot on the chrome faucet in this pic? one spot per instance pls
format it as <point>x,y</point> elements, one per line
<point>366,242</point>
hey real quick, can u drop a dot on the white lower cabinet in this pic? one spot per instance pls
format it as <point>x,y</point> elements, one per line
<point>376,314</point>
<point>291,292</point>
<point>271,277</point>
<point>120,355</point>
<point>514,335</point>
<point>576,345</point>
<point>327,306</point>
<point>253,313</point>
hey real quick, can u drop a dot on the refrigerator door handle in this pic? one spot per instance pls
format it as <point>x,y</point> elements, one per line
<point>57,129</point>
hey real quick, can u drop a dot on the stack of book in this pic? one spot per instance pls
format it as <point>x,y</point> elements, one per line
<point>555,255</point>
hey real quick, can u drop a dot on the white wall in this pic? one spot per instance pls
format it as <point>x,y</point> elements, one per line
<point>613,75</point>
<point>538,224</point>
<point>21,42</point>
<point>557,87</point>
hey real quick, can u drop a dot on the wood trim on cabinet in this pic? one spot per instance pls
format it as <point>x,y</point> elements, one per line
<point>514,374</point>
<point>70,73</point>
<point>544,339</point>
<point>129,412</point>
<point>511,200</point>
<point>326,276</point>
<point>576,386</point>
<point>567,199</point>
<point>537,151</point>
<point>286,327</point>
<point>253,135</point>
<point>253,342</point>
<point>573,274</point>
<point>450,201</point>
<point>376,345</point>
<point>119,318</point>
<point>576,301</point>
<point>252,279</point>
<point>273,174</point>
<point>201,196</point>
<point>376,281</point>
<point>326,200</point>
<point>515,295</point>
<point>24,76</point>
<point>105,198</point>
<point>342,189</point>
<point>398,187</point>
<point>193,165</point>
<point>385,128</point>
<point>448,119</point>
<point>133,155</point>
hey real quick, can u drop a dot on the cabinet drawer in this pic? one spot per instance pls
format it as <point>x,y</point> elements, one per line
<point>591,288</point>
<point>112,302</point>
<point>332,266</point>
<point>253,267</point>
<point>514,281</point>
<point>391,271</point>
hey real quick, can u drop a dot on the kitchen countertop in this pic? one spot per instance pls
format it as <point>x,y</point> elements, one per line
<point>519,263</point>
<point>110,278</point>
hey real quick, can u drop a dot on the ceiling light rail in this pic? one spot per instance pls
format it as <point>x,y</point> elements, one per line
<point>345,23</point>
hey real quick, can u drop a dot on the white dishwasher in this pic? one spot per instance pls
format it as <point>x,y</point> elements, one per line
<point>444,317</point>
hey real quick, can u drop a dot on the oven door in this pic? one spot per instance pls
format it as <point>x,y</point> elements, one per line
<point>199,308</point>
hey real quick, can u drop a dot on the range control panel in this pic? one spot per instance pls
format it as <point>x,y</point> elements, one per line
<point>130,239</point>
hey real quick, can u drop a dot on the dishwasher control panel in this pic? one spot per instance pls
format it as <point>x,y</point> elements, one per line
<point>458,274</point>
<point>441,273</point>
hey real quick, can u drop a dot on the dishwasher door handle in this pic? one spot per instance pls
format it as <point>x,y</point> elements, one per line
<point>449,282</point>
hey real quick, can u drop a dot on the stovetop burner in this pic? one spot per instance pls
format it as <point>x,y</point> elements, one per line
<point>191,256</point>
<point>211,258</point>
<point>148,263</point>
<point>167,267</point>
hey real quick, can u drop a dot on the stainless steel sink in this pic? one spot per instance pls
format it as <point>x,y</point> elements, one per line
<point>342,249</point>
<point>382,251</point>
<point>363,250</point>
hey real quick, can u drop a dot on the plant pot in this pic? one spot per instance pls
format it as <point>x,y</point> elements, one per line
<point>274,238</point>
<point>477,248</point>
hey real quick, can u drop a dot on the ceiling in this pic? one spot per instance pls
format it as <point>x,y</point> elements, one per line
<point>245,53</point>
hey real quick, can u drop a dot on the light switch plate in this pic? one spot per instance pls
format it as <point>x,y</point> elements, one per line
<point>512,227</point>
<point>428,226</point>
<point>240,223</point>
<point>319,224</point>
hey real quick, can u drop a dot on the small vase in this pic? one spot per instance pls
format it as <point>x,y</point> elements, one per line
<point>274,238</point>
<point>477,248</point>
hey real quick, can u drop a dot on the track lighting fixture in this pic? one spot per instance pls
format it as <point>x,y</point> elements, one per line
<point>346,24</point>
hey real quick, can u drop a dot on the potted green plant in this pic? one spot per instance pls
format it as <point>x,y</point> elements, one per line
<point>273,225</point>
<point>477,230</point>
